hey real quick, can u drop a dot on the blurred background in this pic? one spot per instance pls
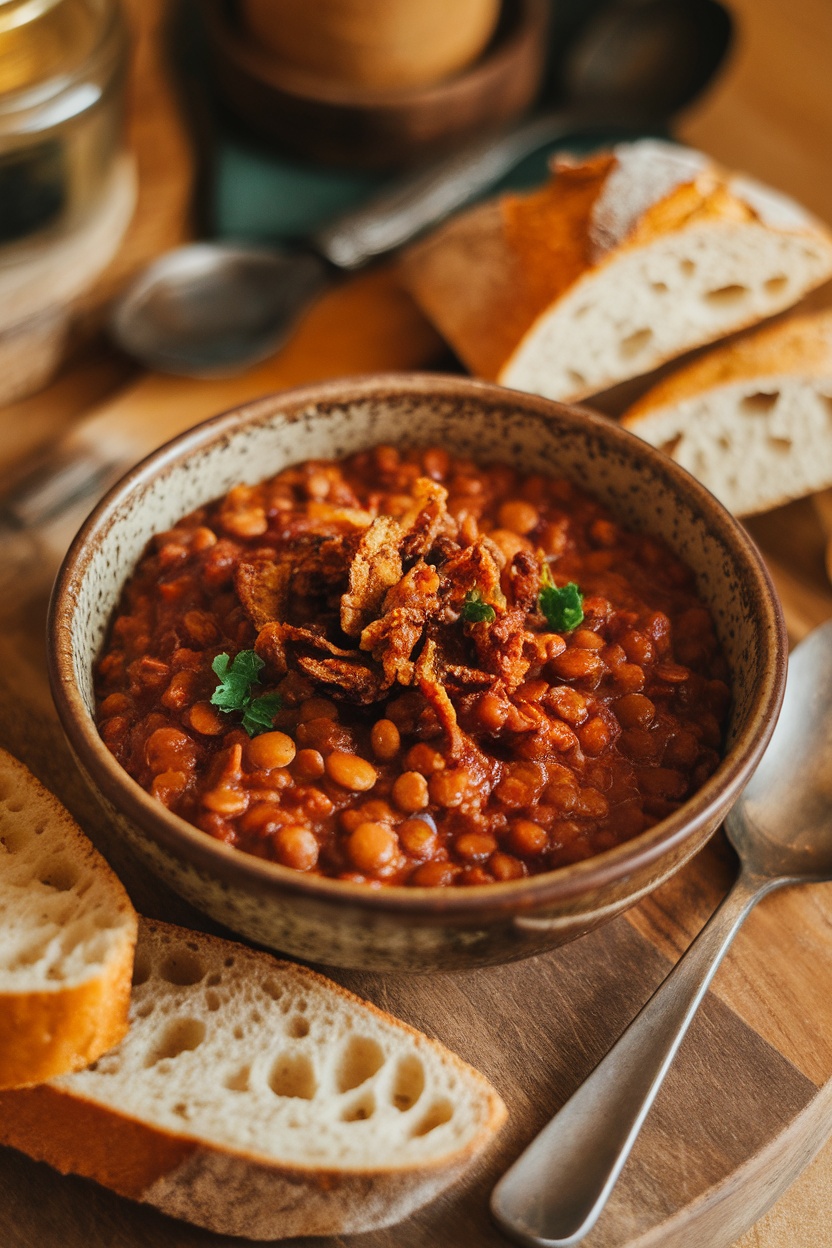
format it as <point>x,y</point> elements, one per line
<point>127,128</point>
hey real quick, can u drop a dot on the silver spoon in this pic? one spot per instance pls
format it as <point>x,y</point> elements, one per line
<point>213,308</point>
<point>781,828</point>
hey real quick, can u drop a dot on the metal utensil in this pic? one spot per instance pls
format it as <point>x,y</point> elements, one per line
<point>781,828</point>
<point>212,309</point>
<point>635,65</point>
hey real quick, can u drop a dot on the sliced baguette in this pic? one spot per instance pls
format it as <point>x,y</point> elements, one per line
<point>257,1098</point>
<point>68,935</point>
<point>623,261</point>
<point>753,419</point>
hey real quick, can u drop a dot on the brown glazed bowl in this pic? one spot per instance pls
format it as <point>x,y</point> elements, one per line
<point>397,928</point>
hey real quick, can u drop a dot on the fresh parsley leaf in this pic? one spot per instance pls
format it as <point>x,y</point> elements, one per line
<point>476,610</point>
<point>236,678</point>
<point>563,607</point>
<point>259,714</point>
<point>235,692</point>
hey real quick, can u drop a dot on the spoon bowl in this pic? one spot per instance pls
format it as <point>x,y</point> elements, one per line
<point>781,825</point>
<point>211,308</point>
<point>650,57</point>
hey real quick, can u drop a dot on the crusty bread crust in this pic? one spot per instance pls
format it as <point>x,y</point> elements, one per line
<point>58,1018</point>
<point>492,277</point>
<point>485,276</point>
<point>45,1034</point>
<point>80,1137</point>
<point>752,418</point>
<point>801,344</point>
<point>225,1192</point>
<point>237,1190</point>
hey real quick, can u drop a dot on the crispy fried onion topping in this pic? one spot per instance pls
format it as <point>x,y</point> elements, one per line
<point>361,611</point>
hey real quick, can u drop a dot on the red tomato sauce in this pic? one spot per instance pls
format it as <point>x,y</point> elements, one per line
<point>434,724</point>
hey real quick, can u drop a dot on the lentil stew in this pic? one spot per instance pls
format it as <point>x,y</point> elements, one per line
<point>435,723</point>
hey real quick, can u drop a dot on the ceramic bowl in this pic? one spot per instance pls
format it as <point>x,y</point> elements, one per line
<point>396,928</point>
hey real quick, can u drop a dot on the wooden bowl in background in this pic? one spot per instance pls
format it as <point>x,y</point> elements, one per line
<point>380,44</point>
<point>316,117</point>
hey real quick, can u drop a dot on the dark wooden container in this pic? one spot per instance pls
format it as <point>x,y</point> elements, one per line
<point>371,129</point>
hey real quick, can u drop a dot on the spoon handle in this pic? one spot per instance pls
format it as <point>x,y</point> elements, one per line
<point>556,1189</point>
<point>419,200</point>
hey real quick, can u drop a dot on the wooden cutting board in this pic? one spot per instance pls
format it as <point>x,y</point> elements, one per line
<point>747,1104</point>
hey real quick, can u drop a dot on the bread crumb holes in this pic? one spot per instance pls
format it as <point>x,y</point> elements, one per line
<point>437,1115</point>
<point>238,1080</point>
<point>408,1082</point>
<point>759,404</point>
<point>635,343</point>
<point>14,840</point>
<point>182,968</point>
<point>60,875</point>
<point>182,1035</point>
<point>293,1075</point>
<point>360,1110</point>
<point>297,1027</point>
<point>727,296</point>
<point>361,1058</point>
<point>272,989</point>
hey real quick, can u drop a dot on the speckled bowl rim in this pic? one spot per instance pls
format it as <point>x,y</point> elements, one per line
<point>562,885</point>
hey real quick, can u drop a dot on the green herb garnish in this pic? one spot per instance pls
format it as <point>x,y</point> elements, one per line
<point>476,610</point>
<point>235,692</point>
<point>260,712</point>
<point>564,607</point>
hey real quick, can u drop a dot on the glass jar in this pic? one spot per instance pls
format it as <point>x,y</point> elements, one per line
<point>62,74</point>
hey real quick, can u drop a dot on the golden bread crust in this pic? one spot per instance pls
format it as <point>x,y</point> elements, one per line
<point>56,1023</point>
<point>45,1034</point>
<point>79,1137</point>
<point>488,277</point>
<point>801,344</point>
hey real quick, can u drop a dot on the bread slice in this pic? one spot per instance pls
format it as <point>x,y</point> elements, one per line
<point>257,1098</point>
<point>621,262</point>
<point>67,939</point>
<point>752,419</point>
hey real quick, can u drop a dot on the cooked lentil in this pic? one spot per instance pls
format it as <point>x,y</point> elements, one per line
<point>413,745</point>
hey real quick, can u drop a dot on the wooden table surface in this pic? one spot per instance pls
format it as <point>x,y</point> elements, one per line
<point>771,114</point>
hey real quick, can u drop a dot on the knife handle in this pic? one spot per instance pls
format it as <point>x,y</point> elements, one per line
<point>426,197</point>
